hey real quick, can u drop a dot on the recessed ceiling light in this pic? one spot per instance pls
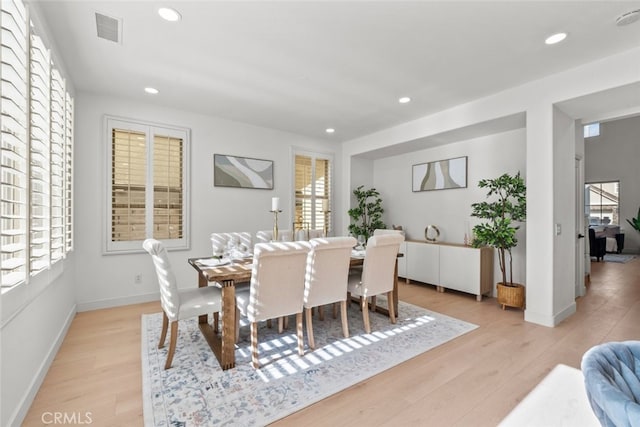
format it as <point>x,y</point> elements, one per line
<point>151,90</point>
<point>556,38</point>
<point>404,100</point>
<point>169,14</point>
<point>329,130</point>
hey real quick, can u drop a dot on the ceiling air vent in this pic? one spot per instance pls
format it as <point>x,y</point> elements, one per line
<point>108,28</point>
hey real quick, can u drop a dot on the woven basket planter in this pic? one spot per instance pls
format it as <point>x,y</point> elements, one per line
<point>512,296</point>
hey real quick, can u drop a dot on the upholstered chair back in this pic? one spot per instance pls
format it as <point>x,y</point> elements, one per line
<point>381,231</point>
<point>327,270</point>
<point>169,295</point>
<point>277,280</point>
<point>378,270</point>
<point>220,240</point>
<point>266,236</point>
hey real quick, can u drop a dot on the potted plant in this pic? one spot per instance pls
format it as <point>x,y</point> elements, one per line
<point>635,222</point>
<point>367,215</point>
<point>506,205</point>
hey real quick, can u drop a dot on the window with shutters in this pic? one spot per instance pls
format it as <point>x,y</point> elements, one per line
<point>148,166</point>
<point>313,191</point>
<point>37,124</point>
<point>15,149</point>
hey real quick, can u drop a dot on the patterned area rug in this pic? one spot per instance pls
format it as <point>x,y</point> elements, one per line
<point>621,258</point>
<point>196,392</point>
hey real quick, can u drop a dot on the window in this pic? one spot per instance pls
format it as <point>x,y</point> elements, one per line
<point>37,124</point>
<point>602,203</point>
<point>15,144</point>
<point>313,191</point>
<point>147,196</point>
<point>592,130</point>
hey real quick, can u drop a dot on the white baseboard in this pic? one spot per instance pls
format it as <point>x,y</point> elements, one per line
<point>117,302</point>
<point>21,411</point>
<point>549,321</point>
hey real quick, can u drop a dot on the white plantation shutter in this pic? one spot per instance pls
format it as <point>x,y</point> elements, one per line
<point>312,191</point>
<point>68,173</point>
<point>14,108</point>
<point>129,175</point>
<point>40,164</point>
<point>147,185</point>
<point>57,165</point>
<point>167,187</point>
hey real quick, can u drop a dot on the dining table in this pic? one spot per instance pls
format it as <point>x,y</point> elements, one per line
<point>227,274</point>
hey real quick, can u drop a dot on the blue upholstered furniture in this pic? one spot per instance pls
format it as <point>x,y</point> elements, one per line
<point>612,380</point>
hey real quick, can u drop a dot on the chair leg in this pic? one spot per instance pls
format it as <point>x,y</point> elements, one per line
<point>348,299</point>
<point>285,322</point>
<point>299,333</point>
<point>165,325</point>
<point>365,314</point>
<point>216,322</point>
<point>321,312</point>
<point>172,344</point>
<point>254,345</point>
<point>392,310</point>
<point>345,323</point>
<point>309,315</point>
<point>280,324</point>
<point>269,323</point>
<point>335,310</point>
<point>373,303</point>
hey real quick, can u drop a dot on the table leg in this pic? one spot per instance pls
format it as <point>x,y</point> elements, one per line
<point>223,346</point>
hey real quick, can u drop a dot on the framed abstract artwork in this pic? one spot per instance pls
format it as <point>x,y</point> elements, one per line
<point>242,172</point>
<point>440,175</point>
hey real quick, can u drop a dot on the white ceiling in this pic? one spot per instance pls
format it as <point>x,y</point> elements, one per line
<point>305,66</point>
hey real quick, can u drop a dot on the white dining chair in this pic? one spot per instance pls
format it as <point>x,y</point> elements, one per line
<point>378,273</point>
<point>266,236</point>
<point>381,231</point>
<point>178,304</point>
<point>326,278</point>
<point>277,289</point>
<point>220,240</point>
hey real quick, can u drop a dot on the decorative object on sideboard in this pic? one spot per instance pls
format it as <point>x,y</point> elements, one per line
<point>275,210</point>
<point>367,215</point>
<point>508,204</point>
<point>242,172</point>
<point>635,222</point>
<point>440,175</point>
<point>431,233</point>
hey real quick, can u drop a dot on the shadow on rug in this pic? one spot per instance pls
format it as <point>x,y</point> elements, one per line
<point>196,392</point>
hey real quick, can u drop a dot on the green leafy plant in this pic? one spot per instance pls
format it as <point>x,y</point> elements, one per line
<point>507,205</point>
<point>635,222</point>
<point>367,215</point>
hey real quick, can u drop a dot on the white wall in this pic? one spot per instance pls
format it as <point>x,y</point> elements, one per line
<point>564,213</point>
<point>537,99</point>
<point>613,156</point>
<point>107,280</point>
<point>450,210</point>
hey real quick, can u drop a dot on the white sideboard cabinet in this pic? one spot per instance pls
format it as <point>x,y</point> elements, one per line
<point>448,266</point>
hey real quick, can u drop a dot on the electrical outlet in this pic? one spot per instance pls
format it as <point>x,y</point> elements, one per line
<point>137,279</point>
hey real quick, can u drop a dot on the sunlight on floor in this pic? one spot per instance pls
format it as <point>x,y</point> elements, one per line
<point>283,360</point>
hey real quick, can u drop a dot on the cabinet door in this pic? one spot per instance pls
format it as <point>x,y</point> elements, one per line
<point>460,269</point>
<point>402,261</point>
<point>423,262</point>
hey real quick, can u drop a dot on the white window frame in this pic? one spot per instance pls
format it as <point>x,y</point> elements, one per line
<point>135,246</point>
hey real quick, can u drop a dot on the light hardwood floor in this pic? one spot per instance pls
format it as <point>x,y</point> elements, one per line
<point>474,380</point>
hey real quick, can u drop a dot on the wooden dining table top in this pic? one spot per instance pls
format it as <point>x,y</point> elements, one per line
<point>238,270</point>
